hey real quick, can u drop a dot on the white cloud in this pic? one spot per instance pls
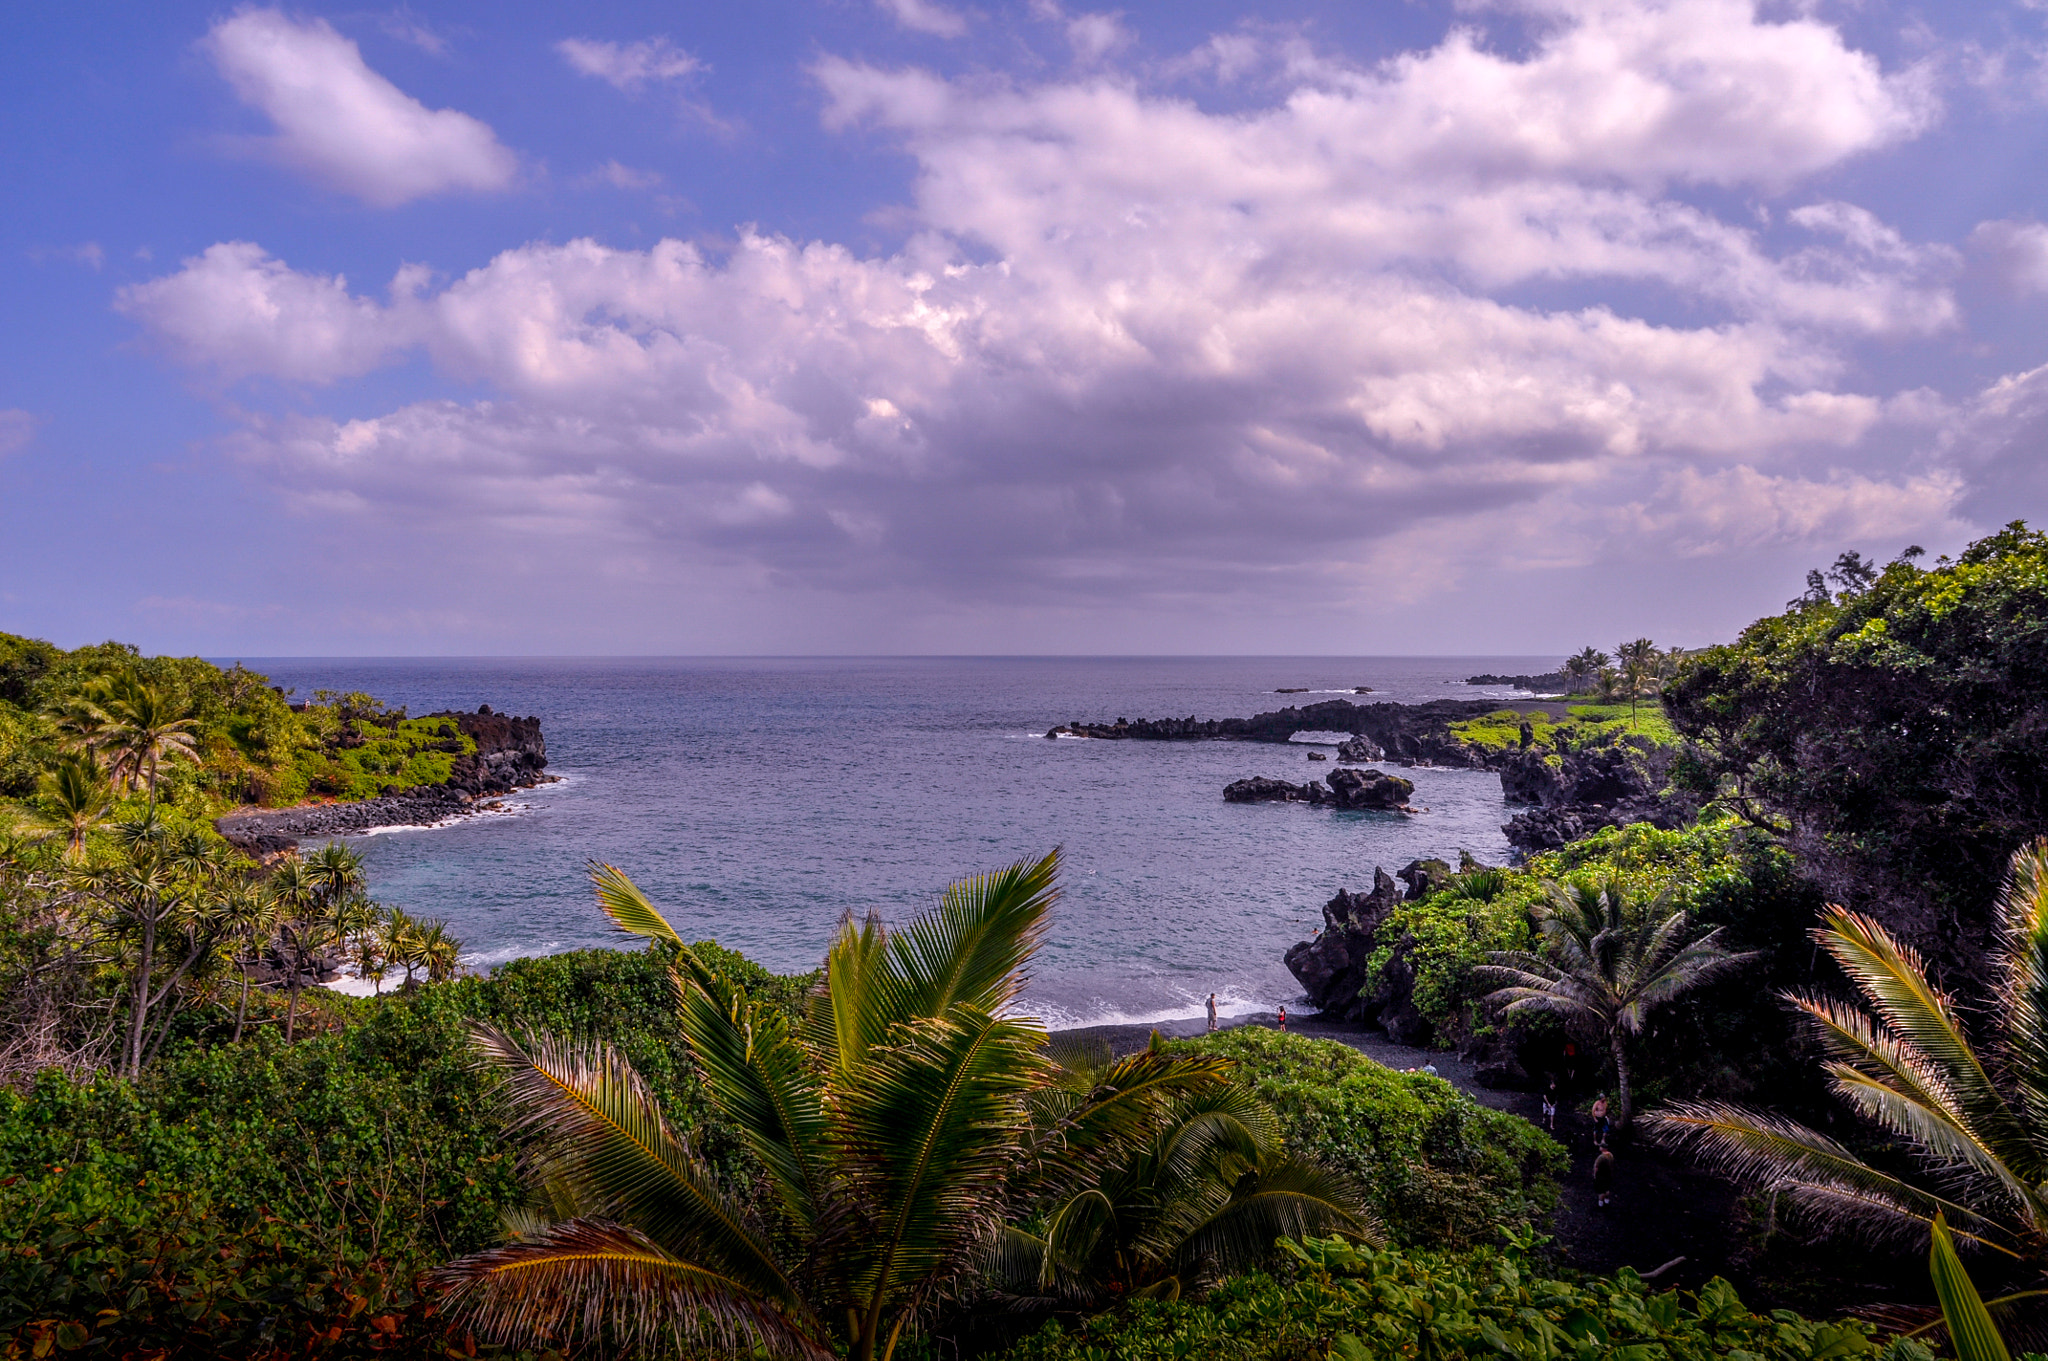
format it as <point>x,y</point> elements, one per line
<point>240,312</point>
<point>629,66</point>
<point>342,124</point>
<point>17,429</point>
<point>926,16</point>
<point>623,177</point>
<point>2015,253</point>
<point>1133,346</point>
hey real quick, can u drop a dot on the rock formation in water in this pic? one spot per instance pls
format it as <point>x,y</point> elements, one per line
<point>1345,787</point>
<point>1552,682</point>
<point>1576,793</point>
<point>1406,733</point>
<point>510,754</point>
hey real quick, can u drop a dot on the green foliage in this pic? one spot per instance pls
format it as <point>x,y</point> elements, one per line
<point>1891,730</point>
<point>1707,869</point>
<point>251,745</point>
<point>1354,1304</point>
<point>1587,725</point>
<point>258,1191</point>
<point>1437,1167</point>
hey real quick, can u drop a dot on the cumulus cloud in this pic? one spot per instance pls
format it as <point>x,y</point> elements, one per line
<point>239,312</point>
<point>1135,346</point>
<point>629,66</point>
<point>340,123</point>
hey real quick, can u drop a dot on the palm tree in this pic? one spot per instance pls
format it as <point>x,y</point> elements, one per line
<point>77,794</point>
<point>1585,667</point>
<point>1971,1115</point>
<point>888,1123</point>
<point>439,952</point>
<point>1205,1189</point>
<point>398,936</point>
<point>304,930</point>
<point>143,729</point>
<point>248,920</point>
<point>1638,669</point>
<point>1606,965</point>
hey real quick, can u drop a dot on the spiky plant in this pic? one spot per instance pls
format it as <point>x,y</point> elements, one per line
<point>888,1125</point>
<point>1197,1186</point>
<point>1976,1118</point>
<point>1606,964</point>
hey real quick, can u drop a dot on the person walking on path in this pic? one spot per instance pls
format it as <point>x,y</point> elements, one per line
<point>1550,1109</point>
<point>1600,1122</point>
<point>1283,1018</point>
<point>1603,1178</point>
<point>1212,1011</point>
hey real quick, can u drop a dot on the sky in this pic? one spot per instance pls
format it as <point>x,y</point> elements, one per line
<point>956,326</point>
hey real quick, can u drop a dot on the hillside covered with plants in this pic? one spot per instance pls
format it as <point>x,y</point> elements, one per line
<point>235,739</point>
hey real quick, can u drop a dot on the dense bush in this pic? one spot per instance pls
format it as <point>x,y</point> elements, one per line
<point>1351,1304</point>
<point>267,1195</point>
<point>1891,732</point>
<point>1440,1168</point>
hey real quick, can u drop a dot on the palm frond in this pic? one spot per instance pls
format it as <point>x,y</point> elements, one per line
<point>590,1282</point>
<point>2023,945</point>
<point>760,1079</point>
<point>1776,1154</point>
<point>629,908</point>
<point>605,1137</point>
<point>1286,1198</point>
<point>973,950</point>
<point>1077,1132</point>
<point>1894,980</point>
<point>929,1140</point>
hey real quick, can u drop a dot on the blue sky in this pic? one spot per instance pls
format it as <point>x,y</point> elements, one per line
<point>910,325</point>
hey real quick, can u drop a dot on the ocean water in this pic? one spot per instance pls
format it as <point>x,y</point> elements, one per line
<point>757,800</point>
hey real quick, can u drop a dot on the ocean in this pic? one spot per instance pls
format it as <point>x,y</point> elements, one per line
<point>758,800</point>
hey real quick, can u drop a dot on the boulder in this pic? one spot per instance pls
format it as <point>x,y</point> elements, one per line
<point>1332,967</point>
<point>1360,749</point>
<point>1346,787</point>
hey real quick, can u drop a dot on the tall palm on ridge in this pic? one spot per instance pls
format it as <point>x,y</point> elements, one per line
<point>1606,965</point>
<point>1207,1192</point>
<point>1976,1119</point>
<point>888,1123</point>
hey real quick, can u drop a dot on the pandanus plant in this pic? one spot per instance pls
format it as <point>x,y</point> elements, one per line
<point>887,1123</point>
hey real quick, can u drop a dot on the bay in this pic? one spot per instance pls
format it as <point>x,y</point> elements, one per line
<point>757,800</point>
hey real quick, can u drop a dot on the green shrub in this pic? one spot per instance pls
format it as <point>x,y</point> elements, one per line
<point>1350,1304</point>
<point>1440,1168</point>
<point>333,1170</point>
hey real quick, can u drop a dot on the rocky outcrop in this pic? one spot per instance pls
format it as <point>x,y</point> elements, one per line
<point>1336,968</point>
<point>510,754</point>
<point>1576,793</point>
<point>1345,787</point>
<point>1360,749</point>
<point>1409,734</point>
<point>1551,682</point>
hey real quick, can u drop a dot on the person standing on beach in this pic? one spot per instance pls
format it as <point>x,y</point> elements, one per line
<point>1603,1178</point>
<point>1212,1011</point>
<point>1283,1018</point>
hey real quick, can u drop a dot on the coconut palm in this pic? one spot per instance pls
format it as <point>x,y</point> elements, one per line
<point>1606,964</point>
<point>399,938</point>
<point>1206,1189</point>
<point>440,953</point>
<point>1974,1116</point>
<point>890,1123</point>
<point>143,729</point>
<point>1585,667</point>
<point>77,795</point>
<point>1638,661</point>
